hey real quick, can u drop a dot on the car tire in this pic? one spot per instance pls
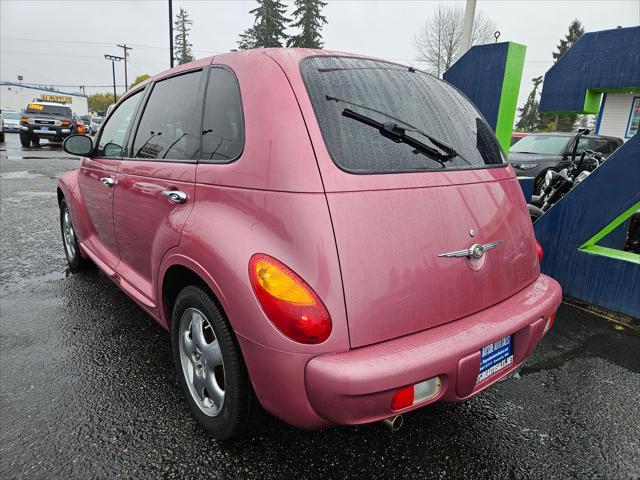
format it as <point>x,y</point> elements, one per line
<point>207,357</point>
<point>75,259</point>
<point>1,137</point>
<point>24,140</point>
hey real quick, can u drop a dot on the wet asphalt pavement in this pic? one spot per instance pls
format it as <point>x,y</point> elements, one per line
<point>88,387</point>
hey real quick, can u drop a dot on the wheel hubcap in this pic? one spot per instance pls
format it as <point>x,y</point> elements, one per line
<point>69,235</point>
<point>201,360</point>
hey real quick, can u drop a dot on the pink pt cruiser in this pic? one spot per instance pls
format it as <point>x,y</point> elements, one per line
<point>337,238</point>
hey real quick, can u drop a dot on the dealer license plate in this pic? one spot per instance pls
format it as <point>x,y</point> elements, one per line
<point>495,357</point>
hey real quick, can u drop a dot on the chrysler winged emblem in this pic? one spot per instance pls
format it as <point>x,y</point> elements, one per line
<point>474,251</point>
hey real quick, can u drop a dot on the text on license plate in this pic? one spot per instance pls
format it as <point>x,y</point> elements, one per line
<point>494,357</point>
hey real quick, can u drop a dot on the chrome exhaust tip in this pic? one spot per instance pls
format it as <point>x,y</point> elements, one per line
<point>393,423</point>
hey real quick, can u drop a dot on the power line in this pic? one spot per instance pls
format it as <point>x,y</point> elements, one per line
<point>67,85</point>
<point>49,54</point>
<point>100,44</point>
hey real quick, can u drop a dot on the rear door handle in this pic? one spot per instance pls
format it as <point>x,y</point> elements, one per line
<point>175,196</point>
<point>107,181</point>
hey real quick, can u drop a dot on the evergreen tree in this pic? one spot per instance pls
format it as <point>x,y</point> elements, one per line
<point>529,114</point>
<point>248,39</point>
<point>576,30</point>
<point>181,46</point>
<point>268,28</point>
<point>308,17</point>
<point>565,123</point>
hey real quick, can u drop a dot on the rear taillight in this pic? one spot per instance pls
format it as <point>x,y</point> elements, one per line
<point>291,305</point>
<point>402,398</point>
<point>414,394</point>
<point>539,251</point>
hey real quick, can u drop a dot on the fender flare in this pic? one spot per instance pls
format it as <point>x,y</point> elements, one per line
<point>174,258</point>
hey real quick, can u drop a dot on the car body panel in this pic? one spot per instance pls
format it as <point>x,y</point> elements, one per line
<point>389,243</point>
<point>295,228</point>
<point>146,232</point>
<point>98,201</point>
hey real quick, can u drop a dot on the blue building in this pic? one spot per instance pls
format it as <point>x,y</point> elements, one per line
<point>600,74</point>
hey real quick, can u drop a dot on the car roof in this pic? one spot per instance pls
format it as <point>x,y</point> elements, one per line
<point>283,56</point>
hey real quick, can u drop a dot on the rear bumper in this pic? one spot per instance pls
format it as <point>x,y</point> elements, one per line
<point>357,386</point>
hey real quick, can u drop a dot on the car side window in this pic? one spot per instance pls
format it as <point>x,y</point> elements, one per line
<point>114,131</point>
<point>613,146</point>
<point>583,144</point>
<point>223,128</point>
<point>601,146</point>
<point>169,129</point>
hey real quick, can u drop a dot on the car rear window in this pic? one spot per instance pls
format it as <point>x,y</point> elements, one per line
<point>48,109</point>
<point>391,93</point>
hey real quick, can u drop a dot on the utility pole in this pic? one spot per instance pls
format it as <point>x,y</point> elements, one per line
<point>125,48</point>
<point>114,59</point>
<point>467,26</point>
<point>171,33</point>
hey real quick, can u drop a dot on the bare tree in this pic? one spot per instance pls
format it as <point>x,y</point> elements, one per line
<point>438,41</point>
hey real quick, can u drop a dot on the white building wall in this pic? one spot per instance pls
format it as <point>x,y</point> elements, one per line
<point>15,97</point>
<point>615,114</point>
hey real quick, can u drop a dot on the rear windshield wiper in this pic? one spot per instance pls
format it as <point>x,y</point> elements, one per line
<point>398,134</point>
<point>449,151</point>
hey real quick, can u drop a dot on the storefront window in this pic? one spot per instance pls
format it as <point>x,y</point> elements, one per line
<point>634,118</point>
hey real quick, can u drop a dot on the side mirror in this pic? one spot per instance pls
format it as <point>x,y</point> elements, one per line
<point>112,150</point>
<point>78,145</point>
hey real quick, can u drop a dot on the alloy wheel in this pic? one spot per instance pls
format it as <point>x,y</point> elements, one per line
<point>201,360</point>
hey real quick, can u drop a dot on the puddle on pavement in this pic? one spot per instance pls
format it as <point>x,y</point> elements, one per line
<point>25,282</point>
<point>25,175</point>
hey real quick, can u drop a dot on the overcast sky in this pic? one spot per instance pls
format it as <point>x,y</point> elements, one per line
<point>64,42</point>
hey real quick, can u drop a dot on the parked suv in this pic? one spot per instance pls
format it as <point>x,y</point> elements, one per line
<point>536,153</point>
<point>337,238</point>
<point>52,121</point>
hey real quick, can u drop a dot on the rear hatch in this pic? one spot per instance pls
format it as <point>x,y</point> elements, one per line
<point>398,207</point>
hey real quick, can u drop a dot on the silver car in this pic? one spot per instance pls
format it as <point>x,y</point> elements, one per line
<point>95,124</point>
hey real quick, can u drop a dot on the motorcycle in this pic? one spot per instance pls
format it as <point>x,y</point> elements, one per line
<point>557,184</point>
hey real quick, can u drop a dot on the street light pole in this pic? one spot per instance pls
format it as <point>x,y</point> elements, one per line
<point>171,33</point>
<point>125,48</point>
<point>467,26</point>
<point>114,59</point>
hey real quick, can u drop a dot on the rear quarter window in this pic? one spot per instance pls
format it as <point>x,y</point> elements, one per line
<point>393,93</point>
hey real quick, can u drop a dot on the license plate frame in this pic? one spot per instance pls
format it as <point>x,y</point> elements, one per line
<point>495,357</point>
